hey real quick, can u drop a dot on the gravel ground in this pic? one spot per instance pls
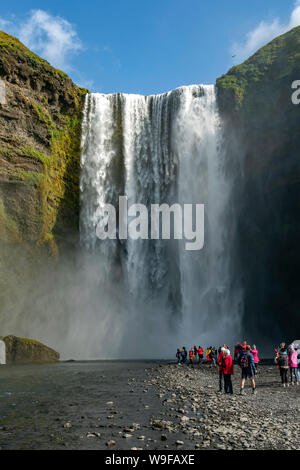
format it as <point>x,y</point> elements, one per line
<point>212,420</point>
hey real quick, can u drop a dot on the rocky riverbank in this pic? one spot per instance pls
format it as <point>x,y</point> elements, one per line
<point>212,420</point>
<point>135,405</point>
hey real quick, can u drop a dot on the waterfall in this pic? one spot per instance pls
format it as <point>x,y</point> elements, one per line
<point>165,148</point>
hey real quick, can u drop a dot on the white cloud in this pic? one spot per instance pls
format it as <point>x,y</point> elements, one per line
<point>52,37</point>
<point>4,24</point>
<point>264,33</point>
<point>89,84</point>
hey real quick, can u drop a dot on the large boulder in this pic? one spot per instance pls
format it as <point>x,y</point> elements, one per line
<point>24,350</point>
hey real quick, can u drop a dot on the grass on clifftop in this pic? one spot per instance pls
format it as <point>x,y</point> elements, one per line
<point>275,61</point>
<point>12,44</point>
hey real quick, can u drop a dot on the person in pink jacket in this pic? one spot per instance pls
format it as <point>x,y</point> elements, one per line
<point>254,353</point>
<point>293,363</point>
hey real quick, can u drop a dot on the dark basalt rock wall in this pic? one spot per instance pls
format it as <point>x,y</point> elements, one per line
<point>263,147</point>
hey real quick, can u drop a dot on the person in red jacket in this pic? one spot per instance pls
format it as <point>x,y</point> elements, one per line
<point>228,371</point>
<point>191,356</point>
<point>200,354</point>
<point>220,360</point>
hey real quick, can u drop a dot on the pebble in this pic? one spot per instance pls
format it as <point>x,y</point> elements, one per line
<point>93,434</point>
<point>179,443</point>
<point>110,443</point>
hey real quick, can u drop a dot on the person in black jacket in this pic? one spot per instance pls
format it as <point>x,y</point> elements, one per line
<point>283,362</point>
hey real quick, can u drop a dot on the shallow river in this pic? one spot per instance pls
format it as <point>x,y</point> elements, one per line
<point>36,402</point>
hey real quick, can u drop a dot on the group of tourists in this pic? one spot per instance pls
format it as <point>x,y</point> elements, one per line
<point>197,355</point>
<point>246,356</point>
<point>288,358</point>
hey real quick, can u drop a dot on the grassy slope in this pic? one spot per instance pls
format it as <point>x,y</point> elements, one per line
<point>277,61</point>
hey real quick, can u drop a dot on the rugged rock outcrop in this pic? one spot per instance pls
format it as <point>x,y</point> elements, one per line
<point>262,128</point>
<point>22,350</point>
<point>40,127</point>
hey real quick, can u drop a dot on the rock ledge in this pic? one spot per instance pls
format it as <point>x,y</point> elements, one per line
<point>24,350</point>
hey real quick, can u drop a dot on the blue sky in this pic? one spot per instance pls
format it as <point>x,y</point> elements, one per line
<point>146,46</point>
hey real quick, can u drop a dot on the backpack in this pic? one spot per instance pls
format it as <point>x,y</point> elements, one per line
<point>244,361</point>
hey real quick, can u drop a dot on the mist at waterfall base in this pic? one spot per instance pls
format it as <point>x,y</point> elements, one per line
<point>141,298</point>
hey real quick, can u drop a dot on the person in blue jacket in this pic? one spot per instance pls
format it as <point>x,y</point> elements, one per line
<point>247,364</point>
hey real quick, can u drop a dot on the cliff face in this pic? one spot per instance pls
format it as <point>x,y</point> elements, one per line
<point>263,144</point>
<point>24,350</point>
<point>40,127</point>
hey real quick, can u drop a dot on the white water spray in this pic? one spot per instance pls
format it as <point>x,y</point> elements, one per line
<point>161,149</point>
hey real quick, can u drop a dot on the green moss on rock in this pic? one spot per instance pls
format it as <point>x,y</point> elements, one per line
<point>40,128</point>
<point>24,350</point>
<point>278,61</point>
<point>9,232</point>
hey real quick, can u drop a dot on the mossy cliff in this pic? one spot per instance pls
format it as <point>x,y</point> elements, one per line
<point>262,128</point>
<point>40,127</point>
<point>22,350</point>
<point>271,66</point>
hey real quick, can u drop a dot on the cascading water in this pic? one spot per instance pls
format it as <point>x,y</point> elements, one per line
<point>161,149</point>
